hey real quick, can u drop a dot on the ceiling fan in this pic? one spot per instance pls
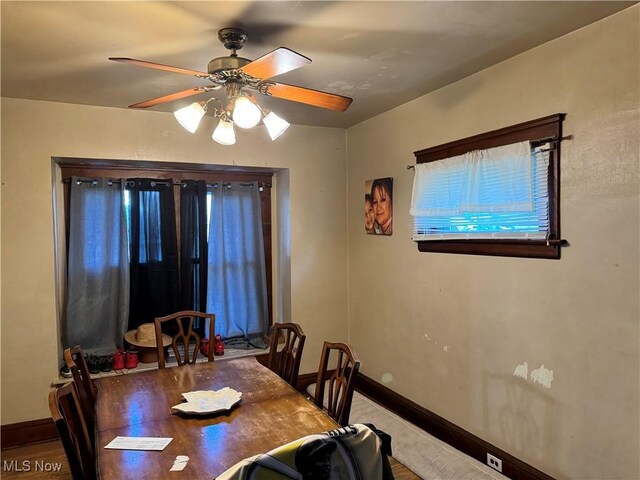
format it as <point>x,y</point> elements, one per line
<point>242,77</point>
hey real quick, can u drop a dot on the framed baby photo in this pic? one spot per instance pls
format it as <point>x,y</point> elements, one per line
<point>378,206</point>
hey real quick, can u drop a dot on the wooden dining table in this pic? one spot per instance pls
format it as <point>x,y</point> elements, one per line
<point>270,413</point>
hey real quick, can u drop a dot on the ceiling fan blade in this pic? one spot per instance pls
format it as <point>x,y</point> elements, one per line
<point>168,98</point>
<point>159,66</point>
<point>308,96</point>
<point>280,60</point>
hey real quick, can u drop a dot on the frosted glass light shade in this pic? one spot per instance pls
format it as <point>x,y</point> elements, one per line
<point>275,125</point>
<point>189,117</point>
<point>246,114</point>
<point>224,134</point>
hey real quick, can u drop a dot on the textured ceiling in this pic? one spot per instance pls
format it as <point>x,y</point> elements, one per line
<point>382,54</point>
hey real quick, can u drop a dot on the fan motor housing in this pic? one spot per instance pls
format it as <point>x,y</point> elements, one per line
<point>226,63</point>
<point>232,38</point>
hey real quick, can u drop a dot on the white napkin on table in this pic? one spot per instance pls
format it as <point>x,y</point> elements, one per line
<point>208,401</point>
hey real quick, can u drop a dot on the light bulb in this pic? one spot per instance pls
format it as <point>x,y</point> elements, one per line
<point>224,134</point>
<point>275,125</point>
<point>246,114</point>
<point>189,117</point>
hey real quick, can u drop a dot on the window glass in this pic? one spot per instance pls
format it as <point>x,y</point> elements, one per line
<point>150,227</point>
<point>463,200</point>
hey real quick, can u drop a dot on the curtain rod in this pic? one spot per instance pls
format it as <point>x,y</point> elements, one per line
<point>539,140</point>
<point>164,182</point>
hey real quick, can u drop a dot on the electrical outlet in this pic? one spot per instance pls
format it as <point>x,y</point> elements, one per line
<point>494,462</point>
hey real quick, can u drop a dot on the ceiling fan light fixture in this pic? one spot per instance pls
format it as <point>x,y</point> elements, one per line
<point>224,133</point>
<point>239,76</point>
<point>246,114</point>
<point>189,117</point>
<point>275,125</point>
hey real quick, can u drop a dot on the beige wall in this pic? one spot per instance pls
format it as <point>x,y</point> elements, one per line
<point>313,245</point>
<point>451,329</point>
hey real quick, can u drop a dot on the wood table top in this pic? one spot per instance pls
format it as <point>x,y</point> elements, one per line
<point>271,413</point>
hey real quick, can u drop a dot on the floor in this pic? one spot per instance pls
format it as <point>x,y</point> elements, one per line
<point>42,460</point>
<point>416,449</point>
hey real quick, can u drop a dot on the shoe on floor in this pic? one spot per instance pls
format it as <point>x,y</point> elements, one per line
<point>93,362</point>
<point>64,371</point>
<point>106,363</point>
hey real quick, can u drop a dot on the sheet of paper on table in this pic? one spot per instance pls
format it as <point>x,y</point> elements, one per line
<point>139,443</point>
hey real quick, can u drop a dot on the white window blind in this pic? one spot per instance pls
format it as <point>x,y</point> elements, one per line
<point>498,193</point>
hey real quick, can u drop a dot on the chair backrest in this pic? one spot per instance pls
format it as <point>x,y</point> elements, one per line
<point>85,388</point>
<point>187,338</point>
<point>72,429</point>
<point>287,363</point>
<point>341,381</point>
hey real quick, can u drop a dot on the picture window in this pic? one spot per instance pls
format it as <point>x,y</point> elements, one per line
<point>496,193</point>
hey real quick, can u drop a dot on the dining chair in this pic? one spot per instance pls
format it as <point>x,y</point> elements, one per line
<point>286,363</point>
<point>85,388</point>
<point>339,383</point>
<point>186,338</point>
<point>67,415</point>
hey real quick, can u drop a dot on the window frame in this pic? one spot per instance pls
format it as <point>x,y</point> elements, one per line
<point>539,131</point>
<point>177,172</point>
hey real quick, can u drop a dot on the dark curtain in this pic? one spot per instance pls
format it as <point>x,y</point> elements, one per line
<point>154,273</point>
<point>193,247</point>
